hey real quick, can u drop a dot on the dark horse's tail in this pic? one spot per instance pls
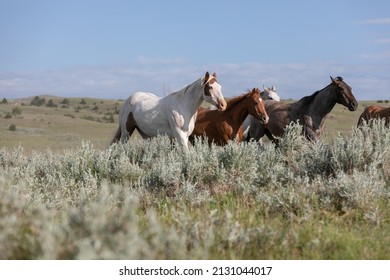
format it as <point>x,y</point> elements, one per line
<point>117,136</point>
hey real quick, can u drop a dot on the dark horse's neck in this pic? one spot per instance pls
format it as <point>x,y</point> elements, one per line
<point>314,109</point>
<point>320,103</point>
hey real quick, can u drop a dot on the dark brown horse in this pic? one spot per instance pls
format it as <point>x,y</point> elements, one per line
<point>375,112</point>
<point>221,127</point>
<point>310,112</point>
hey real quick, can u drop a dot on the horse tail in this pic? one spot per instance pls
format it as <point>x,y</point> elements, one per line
<point>360,121</point>
<point>117,136</point>
<point>365,116</point>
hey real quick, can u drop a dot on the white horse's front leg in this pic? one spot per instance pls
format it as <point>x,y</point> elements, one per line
<point>182,138</point>
<point>177,123</point>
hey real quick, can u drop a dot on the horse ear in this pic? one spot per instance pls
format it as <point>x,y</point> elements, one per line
<point>206,77</point>
<point>215,75</point>
<point>273,88</point>
<point>333,80</point>
<point>265,88</point>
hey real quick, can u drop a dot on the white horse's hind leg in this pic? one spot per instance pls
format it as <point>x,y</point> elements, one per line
<point>129,127</point>
<point>124,134</point>
<point>127,123</point>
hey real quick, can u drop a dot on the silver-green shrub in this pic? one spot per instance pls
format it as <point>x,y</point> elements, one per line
<point>151,199</point>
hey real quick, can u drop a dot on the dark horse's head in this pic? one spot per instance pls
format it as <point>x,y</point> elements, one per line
<point>344,94</point>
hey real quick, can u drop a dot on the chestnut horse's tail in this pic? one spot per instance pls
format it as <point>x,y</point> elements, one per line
<point>365,116</point>
<point>117,136</point>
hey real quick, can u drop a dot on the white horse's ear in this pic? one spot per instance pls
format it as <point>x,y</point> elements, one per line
<point>273,88</point>
<point>265,88</point>
<point>215,75</point>
<point>206,77</point>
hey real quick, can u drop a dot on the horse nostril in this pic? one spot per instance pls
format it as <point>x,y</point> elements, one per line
<point>222,106</point>
<point>264,119</point>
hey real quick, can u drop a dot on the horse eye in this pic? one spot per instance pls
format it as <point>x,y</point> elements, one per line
<point>210,87</point>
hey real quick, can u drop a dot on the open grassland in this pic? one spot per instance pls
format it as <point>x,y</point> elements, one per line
<point>38,128</point>
<point>151,200</point>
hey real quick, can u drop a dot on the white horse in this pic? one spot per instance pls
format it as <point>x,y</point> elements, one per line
<point>270,94</point>
<point>173,115</point>
<point>267,94</point>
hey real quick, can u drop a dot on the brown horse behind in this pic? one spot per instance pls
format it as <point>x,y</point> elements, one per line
<point>221,127</point>
<point>375,112</point>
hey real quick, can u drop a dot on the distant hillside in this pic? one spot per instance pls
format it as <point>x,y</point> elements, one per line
<point>57,123</point>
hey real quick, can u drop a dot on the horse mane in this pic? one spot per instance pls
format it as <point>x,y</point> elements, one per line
<point>184,89</point>
<point>310,98</point>
<point>236,100</point>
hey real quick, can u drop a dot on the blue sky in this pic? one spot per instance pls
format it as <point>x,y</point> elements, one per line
<point>110,49</point>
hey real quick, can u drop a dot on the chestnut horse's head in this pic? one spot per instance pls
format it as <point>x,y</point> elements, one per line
<point>257,108</point>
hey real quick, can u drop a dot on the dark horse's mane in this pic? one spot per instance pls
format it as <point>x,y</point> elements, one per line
<point>309,99</point>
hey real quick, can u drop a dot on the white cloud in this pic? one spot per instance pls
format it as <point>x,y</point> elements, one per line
<point>381,41</point>
<point>379,56</point>
<point>293,80</point>
<point>375,21</point>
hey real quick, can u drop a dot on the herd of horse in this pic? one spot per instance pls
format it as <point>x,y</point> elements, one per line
<point>246,117</point>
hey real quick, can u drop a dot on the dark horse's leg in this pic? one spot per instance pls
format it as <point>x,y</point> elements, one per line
<point>272,138</point>
<point>256,131</point>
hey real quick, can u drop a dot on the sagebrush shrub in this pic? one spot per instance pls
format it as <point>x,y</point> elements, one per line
<point>151,199</point>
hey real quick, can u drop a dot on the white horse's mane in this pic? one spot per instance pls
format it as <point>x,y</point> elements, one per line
<point>184,88</point>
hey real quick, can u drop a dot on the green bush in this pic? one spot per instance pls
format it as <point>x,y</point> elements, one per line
<point>37,101</point>
<point>51,104</point>
<point>16,111</point>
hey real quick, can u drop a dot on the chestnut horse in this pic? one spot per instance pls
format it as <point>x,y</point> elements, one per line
<point>310,112</point>
<point>375,112</point>
<point>221,127</point>
<point>267,94</point>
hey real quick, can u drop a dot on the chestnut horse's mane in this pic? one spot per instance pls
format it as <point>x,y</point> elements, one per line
<point>231,103</point>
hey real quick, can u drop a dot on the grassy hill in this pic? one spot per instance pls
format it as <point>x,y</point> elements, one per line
<point>63,123</point>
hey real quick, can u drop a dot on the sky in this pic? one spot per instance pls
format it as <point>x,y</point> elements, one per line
<point>113,48</point>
